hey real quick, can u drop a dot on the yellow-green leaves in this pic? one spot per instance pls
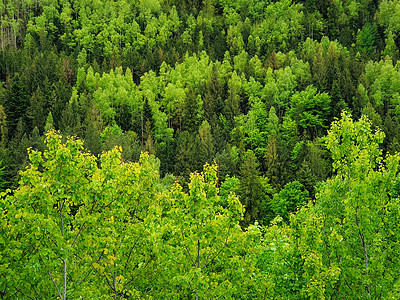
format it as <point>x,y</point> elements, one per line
<point>348,239</point>
<point>69,229</point>
<point>81,227</point>
<point>354,146</point>
<point>198,234</point>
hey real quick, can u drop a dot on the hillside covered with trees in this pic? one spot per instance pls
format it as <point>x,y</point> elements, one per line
<point>187,149</point>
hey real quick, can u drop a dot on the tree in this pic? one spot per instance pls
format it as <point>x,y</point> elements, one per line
<point>289,199</point>
<point>70,220</point>
<point>92,138</point>
<point>187,154</point>
<point>366,40</point>
<point>17,103</point>
<point>192,111</point>
<point>49,122</point>
<point>37,110</point>
<point>391,49</point>
<point>280,262</point>
<point>232,103</point>
<point>207,142</point>
<point>3,180</point>
<point>353,224</point>
<point>201,238</point>
<point>311,110</point>
<point>254,191</point>
<point>3,127</point>
<point>388,15</point>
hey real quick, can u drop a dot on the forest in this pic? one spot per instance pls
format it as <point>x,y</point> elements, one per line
<point>199,149</point>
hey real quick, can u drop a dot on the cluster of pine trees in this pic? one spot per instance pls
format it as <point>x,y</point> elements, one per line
<point>252,86</point>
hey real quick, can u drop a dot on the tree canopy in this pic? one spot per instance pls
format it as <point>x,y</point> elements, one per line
<point>199,149</point>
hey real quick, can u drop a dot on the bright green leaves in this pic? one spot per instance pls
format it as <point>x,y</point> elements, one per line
<point>280,262</point>
<point>198,236</point>
<point>74,229</point>
<point>114,92</point>
<point>276,24</point>
<point>384,86</point>
<point>289,199</point>
<point>70,220</point>
<point>354,147</point>
<point>43,229</point>
<point>349,231</point>
<point>346,241</point>
<point>389,15</point>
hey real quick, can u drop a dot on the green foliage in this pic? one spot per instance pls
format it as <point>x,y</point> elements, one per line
<point>367,39</point>
<point>3,180</point>
<point>352,217</point>
<point>254,191</point>
<point>198,237</point>
<point>291,198</point>
<point>64,195</point>
<point>384,86</point>
<point>110,227</point>
<point>388,15</point>
<point>49,122</point>
<point>391,49</point>
<point>280,262</point>
<point>310,110</point>
<point>3,127</point>
<point>253,85</point>
<point>354,147</point>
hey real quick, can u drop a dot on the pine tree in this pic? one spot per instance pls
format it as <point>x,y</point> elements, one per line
<point>17,103</point>
<point>253,190</point>
<point>3,128</point>
<point>37,110</point>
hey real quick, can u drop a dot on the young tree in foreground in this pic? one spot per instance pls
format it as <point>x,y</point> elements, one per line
<point>349,239</point>
<point>203,242</point>
<point>68,230</point>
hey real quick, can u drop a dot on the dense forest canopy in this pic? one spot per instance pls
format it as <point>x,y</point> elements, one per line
<point>227,148</point>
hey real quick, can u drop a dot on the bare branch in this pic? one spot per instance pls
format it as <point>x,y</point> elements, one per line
<point>190,256</point>
<point>23,293</point>
<point>82,280</point>
<point>58,291</point>
<point>218,253</point>
<point>76,237</point>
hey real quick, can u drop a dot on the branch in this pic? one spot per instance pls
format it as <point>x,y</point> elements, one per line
<point>128,282</point>
<point>115,280</point>
<point>209,262</point>
<point>91,211</point>
<point>3,292</point>
<point>108,282</point>
<point>190,256</point>
<point>65,279</point>
<point>129,256</point>
<point>80,282</point>
<point>364,246</point>
<point>179,288</point>
<point>37,294</point>
<point>209,253</point>
<point>58,291</point>
<point>198,252</point>
<point>76,237</point>
<point>215,256</point>
<point>23,293</point>
<point>173,259</point>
